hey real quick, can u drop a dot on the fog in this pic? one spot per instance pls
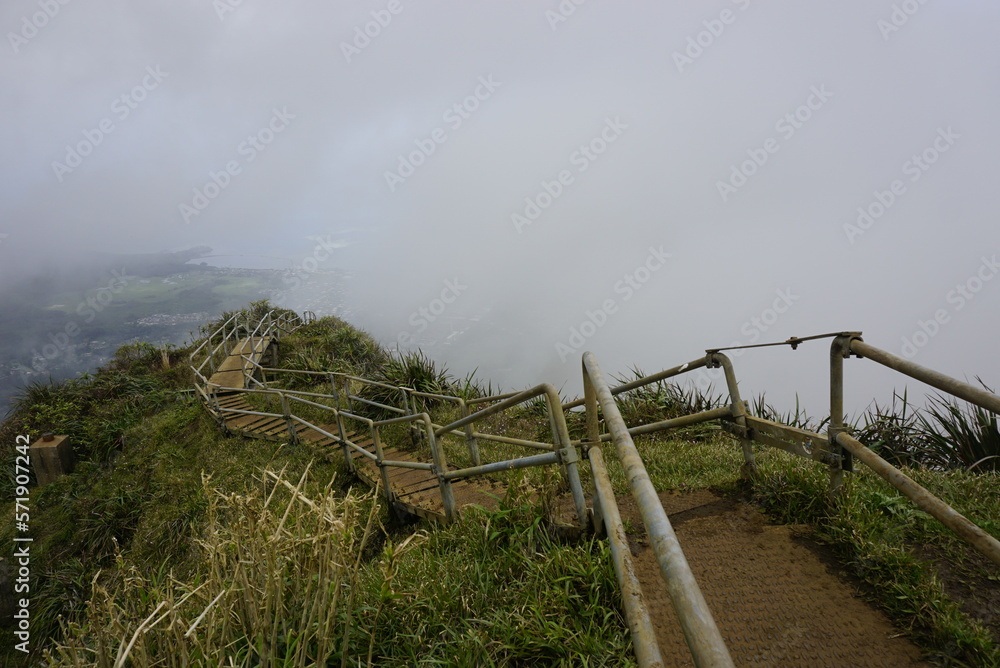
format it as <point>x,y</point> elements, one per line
<point>508,184</point>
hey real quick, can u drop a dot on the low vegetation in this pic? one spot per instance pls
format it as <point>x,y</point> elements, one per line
<point>174,541</point>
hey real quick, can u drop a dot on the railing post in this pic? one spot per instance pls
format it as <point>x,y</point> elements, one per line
<point>568,454</point>
<point>440,468</point>
<point>470,440</point>
<point>218,407</point>
<point>839,460</point>
<point>333,388</point>
<point>377,441</point>
<point>348,461</point>
<point>739,411</point>
<point>593,441</point>
<point>293,437</point>
<point>347,394</point>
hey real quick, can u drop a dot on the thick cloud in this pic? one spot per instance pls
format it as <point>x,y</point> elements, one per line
<point>535,153</point>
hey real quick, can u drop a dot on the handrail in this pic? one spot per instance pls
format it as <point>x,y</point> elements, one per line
<point>700,631</point>
<point>647,380</point>
<point>924,500</point>
<point>970,393</point>
<point>836,450</point>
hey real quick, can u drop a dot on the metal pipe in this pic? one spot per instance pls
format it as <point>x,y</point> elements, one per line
<point>646,380</point>
<point>640,625</point>
<point>513,441</point>
<point>924,500</point>
<point>839,348</point>
<point>293,437</point>
<point>568,454</point>
<point>981,398</point>
<point>376,404</point>
<point>383,471</point>
<point>423,466</point>
<point>471,442</point>
<point>513,400</point>
<point>495,397</point>
<point>509,465</point>
<point>242,412</point>
<point>700,631</point>
<point>441,469</point>
<point>739,410</point>
<point>674,423</point>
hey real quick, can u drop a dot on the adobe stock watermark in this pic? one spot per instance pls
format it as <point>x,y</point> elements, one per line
<point>957,299</point>
<point>915,167</point>
<point>703,40</point>
<point>751,330</point>
<point>625,289</point>
<point>249,149</point>
<point>581,158</point>
<point>364,34</point>
<point>786,127</point>
<point>225,7</point>
<point>295,277</point>
<point>87,310</point>
<point>3,237</point>
<point>31,25</point>
<point>899,17</point>
<point>122,107</point>
<point>421,319</point>
<point>455,116</point>
<point>564,10</point>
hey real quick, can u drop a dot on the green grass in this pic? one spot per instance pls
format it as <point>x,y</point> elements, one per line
<point>165,509</point>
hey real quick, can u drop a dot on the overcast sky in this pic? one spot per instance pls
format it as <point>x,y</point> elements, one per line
<point>679,177</point>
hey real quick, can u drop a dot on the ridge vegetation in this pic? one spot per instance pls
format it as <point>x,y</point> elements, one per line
<point>175,544</point>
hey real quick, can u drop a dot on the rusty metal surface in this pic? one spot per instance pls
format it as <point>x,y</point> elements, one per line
<point>790,439</point>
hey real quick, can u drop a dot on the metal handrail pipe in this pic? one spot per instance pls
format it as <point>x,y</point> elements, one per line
<point>495,397</point>
<point>307,394</point>
<point>377,404</point>
<point>415,417</point>
<point>513,400</point>
<point>242,412</point>
<point>509,465</point>
<point>431,395</point>
<point>310,373</point>
<point>324,432</point>
<point>535,445</point>
<point>923,499</point>
<point>366,381</point>
<point>700,631</point>
<point>359,418</point>
<point>310,403</point>
<point>247,359</point>
<point>423,466</point>
<point>683,421</point>
<point>370,455</point>
<point>981,398</point>
<point>345,441</point>
<point>647,649</point>
<point>245,390</point>
<point>646,380</point>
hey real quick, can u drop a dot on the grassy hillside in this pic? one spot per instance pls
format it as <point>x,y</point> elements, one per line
<point>173,540</point>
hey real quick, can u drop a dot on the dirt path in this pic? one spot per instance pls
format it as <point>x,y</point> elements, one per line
<point>774,599</point>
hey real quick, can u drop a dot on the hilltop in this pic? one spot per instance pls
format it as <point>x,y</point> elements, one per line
<point>166,516</point>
